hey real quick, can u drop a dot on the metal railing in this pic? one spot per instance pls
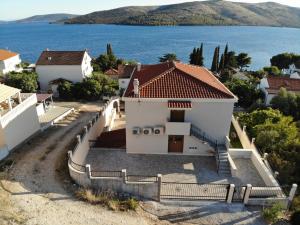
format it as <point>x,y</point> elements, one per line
<point>76,166</point>
<point>106,173</point>
<point>266,192</point>
<point>141,178</point>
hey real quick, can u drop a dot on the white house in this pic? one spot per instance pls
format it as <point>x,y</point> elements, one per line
<point>9,61</point>
<point>69,65</point>
<point>18,118</point>
<point>272,85</point>
<point>175,108</point>
<point>125,73</point>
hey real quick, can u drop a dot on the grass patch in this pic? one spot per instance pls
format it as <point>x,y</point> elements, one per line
<point>107,198</point>
<point>273,213</point>
<point>234,139</point>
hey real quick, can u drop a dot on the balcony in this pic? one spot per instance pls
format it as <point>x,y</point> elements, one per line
<point>178,128</point>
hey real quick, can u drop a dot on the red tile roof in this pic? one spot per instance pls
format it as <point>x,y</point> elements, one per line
<point>177,80</point>
<point>275,83</point>
<point>111,72</point>
<point>4,54</point>
<point>42,97</point>
<point>179,105</point>
<point>61,58</point>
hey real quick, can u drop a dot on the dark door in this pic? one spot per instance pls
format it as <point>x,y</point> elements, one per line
<point>177,116</point>
<point>175,143</point>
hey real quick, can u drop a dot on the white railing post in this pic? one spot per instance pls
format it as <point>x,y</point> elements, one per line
<point>159,180</point>
<point>230,193</point>
<point>124,174</point>
<point>252,141</point>
<point>91,124</point>
<point>85,129</point>
<point>247,193</point>
<point>88,170</point>
<point>244,128</point>
<point>70,154</point>
<point>292,193</point>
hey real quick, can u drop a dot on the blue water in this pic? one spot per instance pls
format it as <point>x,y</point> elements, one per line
<point>146,44</point>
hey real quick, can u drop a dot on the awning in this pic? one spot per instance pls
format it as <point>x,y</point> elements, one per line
<point>179,105</point>
<point>7,91</point>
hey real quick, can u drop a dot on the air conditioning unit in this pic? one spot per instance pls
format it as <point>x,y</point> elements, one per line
<point>158,130</point>
<point>147,130</point>
<point>136,131</point>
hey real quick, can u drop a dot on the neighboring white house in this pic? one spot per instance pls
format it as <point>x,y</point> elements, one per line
<point>69,65</point>
<point>272,85</point>
<point>9,61</point>
<point>125,73</point>
<point>293,70</point>
<point>176,108</point>
<point>18,118</point>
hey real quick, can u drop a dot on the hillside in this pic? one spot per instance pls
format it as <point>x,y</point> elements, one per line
<point>46,18</point>
<point>197,13</point>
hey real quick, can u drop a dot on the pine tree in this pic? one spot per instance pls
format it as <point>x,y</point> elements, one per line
<point>201,58</point>
<point>222,63</point>
<point>193,56</point>
<point>226,56</point>
<point>109,50</point>
<point>197,57</point>
<point>215,62</point>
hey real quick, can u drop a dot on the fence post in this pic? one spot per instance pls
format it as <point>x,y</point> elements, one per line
<point>70,154</point>
<point>88,170</point>
<point>244,128</point>
<point>91,124</point>
<point>247,193</point>
<point>230,193</point>
<point>159,178</point>
<point>78,138</point>
<point>123,172</point>
<point>85,129</point>
<point>292,193</point>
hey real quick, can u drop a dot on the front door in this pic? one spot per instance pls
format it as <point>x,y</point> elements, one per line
<point>177,116</point>
<point>175,144</point>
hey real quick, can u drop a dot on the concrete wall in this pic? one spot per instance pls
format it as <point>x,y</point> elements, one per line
<point>212,118</point>
<point>19,124</point>
<point>10,64</point>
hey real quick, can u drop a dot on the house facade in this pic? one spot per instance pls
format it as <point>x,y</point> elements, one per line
<point>18,118</point>
<point>293,71</point>
<point>272,85</point>
<point>69,65</point>
<point>167,105</point>
<point>9,62</point>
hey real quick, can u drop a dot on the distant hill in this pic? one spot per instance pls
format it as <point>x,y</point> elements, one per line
<point>46,18</point>
<point>216,12</point>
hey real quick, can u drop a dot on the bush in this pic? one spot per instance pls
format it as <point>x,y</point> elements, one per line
<point>25,81</point>
<point>271,214</point>
<point>295,218</point>
<point>65,90</point>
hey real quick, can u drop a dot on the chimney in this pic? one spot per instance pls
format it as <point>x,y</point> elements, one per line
<point>49,58</point>
<point>138,67</point>
<point>136,85</point>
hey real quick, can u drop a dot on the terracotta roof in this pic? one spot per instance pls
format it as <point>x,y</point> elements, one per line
<point>112,139</point>
<point>125,71</point>
<point>111,72</point>
<point>275,83</point>
<point>179,105</point>
<point>42,97</point>
<point>61,58</point>
<point>4,54</point>
<point>177,80</point>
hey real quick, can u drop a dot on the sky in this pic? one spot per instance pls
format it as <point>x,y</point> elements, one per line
<point>18,9</point>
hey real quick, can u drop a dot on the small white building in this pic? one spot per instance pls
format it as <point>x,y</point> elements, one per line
<point>9,62</point>
<point>125,73</point>
<point>293,68</point>
<point>175,108</point>
<point>18,118</point>
<point>272,85</point>
<point>69,65</point>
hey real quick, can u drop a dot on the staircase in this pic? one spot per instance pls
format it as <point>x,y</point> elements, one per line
<point>221,151</point>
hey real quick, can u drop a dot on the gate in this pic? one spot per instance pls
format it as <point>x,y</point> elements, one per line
<point>239,193</point>
<point>194,191</point>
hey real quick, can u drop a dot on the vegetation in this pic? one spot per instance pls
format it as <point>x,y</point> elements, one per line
<point>245,91</point>
<point>283,60</point>
<point>215,61</point>
<point>91,88</point>
<point>107,198</point>
<point>26,81</point>
<point>243,60</point>
<point>273,213</point>
<point>196,57</point>
<point>197,13</point>
<point>295,218</point>
<point>168,57</point>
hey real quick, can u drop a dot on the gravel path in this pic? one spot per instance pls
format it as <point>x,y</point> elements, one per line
<point>33,193</point>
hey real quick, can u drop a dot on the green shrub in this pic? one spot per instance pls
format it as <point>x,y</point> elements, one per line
<point>295,218</point>
<point>296,204</point>
<point>26,81</point>
<point>271,214</point>
<point>65,90</point>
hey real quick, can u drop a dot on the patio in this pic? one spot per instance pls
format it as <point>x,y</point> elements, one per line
<point>174,168</point>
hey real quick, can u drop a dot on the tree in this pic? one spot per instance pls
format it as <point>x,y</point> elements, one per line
<point>215,62</point>
<point>222,63</point>
<point>272,70</point>
<point>26,81</point>
<point>65,90</point>
<point>193,56</point>
<point>196,57</point>
<point>201,58</point>
<point>243,60</point>
<point>168,57</point>
<point>231,60</point>
<point>109,50</point>
<point>106,62</point>
<point>283,60</point>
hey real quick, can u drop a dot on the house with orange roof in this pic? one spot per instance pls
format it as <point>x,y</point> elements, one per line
<point>9,62</point>
<point>176,108</point>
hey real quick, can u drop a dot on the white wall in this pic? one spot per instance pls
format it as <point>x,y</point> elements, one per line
<point>40,109</point>
<point>213,118</point>
<point>123,83</point>
<point>10,64</point>
<point>22,126</point>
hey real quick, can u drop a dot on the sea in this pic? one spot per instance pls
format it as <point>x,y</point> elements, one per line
<point>146,44</point>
